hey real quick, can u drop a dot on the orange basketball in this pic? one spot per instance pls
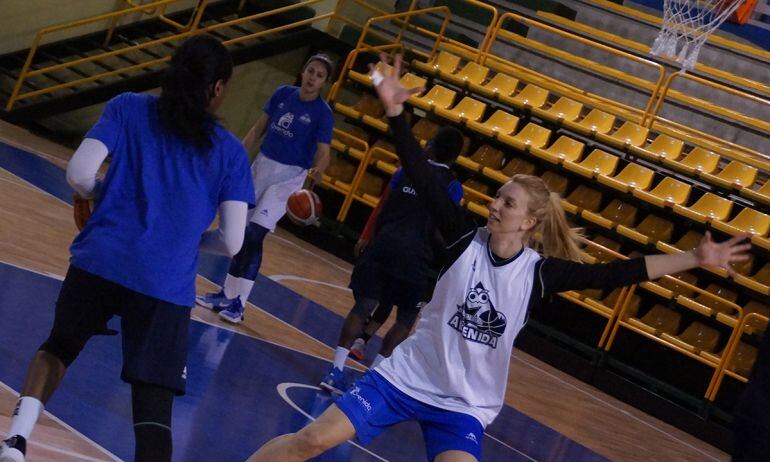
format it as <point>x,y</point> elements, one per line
<point>304,207</point>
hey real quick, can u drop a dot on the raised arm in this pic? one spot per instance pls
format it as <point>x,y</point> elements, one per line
<point>555,275</point>
<point>451,220</point>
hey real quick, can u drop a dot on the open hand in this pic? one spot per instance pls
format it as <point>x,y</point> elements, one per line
<point>721,255</point>
<point>392,94</point>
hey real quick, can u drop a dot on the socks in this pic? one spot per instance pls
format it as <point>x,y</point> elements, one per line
<point>340,356</point>
<point>377,360</point>
<point>25,416</point>
<point>237,287</point>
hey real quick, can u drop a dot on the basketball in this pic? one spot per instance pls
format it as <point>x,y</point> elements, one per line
<point>492,322</point>
<point>304,207</point>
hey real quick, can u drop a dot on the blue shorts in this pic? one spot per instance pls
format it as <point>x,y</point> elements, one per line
<point>372,404</point>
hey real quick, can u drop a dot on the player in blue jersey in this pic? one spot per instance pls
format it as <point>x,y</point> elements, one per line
<point>173,166</point>
<point>451,374</point>
<point>394,267</point>
<point>297,125</point>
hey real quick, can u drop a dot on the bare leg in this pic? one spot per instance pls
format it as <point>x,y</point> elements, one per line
<point>372,327</point>
<point>44,376</point>
<point>455,456</point>
<point>395,335</point>
<point>332,428</point>
<point>354,322</point>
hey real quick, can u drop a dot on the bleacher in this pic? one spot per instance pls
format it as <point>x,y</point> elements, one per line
<point>635,182</point>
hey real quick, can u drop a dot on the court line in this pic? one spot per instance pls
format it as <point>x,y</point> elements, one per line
<point>503,443</point>
<point>36,187</point>
<point>304,250</point>
<point>283,387</point>
<point>291,277</point>
<point>66,427</point>
<point>622,411</point>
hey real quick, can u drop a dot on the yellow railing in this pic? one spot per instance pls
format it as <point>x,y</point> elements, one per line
<point>185,30</point>
<point>729,353</point>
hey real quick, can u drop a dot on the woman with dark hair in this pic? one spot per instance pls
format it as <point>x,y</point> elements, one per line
<point>297,125</point>
<point>451,374</point>
<point>172,167</point>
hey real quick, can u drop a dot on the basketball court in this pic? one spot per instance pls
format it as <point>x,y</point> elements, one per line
<point>251,383</point>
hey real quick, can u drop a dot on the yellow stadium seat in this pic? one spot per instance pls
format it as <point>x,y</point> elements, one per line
<point>466,110</point>
<point>744,357</point>
<point>436,97</point>
<point>582,198</point>
<point>555,182</point>
<point>341,170</point>
<point>517,166</point>
<point>501,85</point>
<point>371,185</point>
<point>721,301</point>
<point>425,129</point>
<point>762,194</point>
<point>599,253</point>
<point>530,96</point>
<point>700,337</point>
<point>735,175</point>
<point>662,320</point>
<point>385,153</point>
<point>444,62</point>
<point>479,187</point>
<point>500,122</point>
<point>594,122</point>
<point>565,109</point>
<point>532,135</point>
<point>632,307</point>
<point>471,74</point>
<point>629,134</point>
<point>487,156</point>
<point>615,213</point>
<point>679,288</point>
<point>688,241</point>
<point>634,176</point>
<point>668,192</point>
<point>696,161</point>
<point>596,163</point>
<point>747,221</point>
<point>563,149</point>
<point>753,325</point>
<point>706,209</point>
<point>410,81</point>
<point>651,230</point>
<point>663,147</point>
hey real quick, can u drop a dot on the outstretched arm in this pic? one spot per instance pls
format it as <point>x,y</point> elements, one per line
<point>555,275</point>
<point>451,220</point>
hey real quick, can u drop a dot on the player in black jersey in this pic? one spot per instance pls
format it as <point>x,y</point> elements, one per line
<point>394,267</point>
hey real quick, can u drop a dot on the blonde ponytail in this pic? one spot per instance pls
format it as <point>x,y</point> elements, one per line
<point>552,235</point>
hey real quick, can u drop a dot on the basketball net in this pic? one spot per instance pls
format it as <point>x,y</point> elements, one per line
<point>686,26</point>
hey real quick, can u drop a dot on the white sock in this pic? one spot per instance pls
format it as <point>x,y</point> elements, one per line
<point>25,416</point>
<point>244,289</point>
<point>377,360</point>
<point>231,286</point>
<point>340,356</point>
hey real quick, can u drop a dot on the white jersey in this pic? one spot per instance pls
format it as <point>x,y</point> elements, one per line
<point>458,357</point>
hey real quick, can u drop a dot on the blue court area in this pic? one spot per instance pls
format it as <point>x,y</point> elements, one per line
<point>241,391</point>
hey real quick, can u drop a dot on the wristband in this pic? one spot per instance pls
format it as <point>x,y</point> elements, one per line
<point>377,78</point>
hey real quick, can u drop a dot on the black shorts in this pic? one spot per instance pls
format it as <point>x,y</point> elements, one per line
<point>372,279</point>
<point>154,336</point>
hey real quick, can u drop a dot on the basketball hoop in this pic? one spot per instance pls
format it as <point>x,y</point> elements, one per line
<point>686,26</point>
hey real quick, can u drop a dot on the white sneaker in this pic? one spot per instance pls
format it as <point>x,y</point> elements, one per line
<point>358,349</point>
<point>13,449</point>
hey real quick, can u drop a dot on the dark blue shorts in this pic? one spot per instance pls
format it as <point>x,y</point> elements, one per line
<point>154,332</point>
<point>372,404</point>
<point>374,280</point>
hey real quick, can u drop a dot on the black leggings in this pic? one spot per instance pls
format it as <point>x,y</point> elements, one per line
<point>151,407</point>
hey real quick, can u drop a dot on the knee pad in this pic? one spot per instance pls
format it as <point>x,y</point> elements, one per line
<point>364,307</point>
<point>381,314</point>
<point>247,262</point>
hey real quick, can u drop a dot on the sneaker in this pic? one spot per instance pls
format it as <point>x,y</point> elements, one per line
<point>214,301</point>
<point>358,350</point>
<point>233,311</point>
<point>13,449</point>
<point>334,382</point>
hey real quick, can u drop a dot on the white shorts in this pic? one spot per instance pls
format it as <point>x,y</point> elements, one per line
<point>274,182</point>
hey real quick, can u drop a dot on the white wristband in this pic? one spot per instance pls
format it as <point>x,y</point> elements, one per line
<point>377,78</point>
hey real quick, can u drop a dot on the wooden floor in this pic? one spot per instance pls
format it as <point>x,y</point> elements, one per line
<point>36,230</point>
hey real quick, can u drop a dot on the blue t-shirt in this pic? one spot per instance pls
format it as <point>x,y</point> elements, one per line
<point>158,197</point>
<point>295,127</point>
